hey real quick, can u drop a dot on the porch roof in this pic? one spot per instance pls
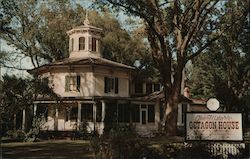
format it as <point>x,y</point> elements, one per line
<point>160,95</point>
<point>149,98</point>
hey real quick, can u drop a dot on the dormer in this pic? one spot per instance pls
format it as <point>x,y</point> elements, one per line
<point>84,40</point>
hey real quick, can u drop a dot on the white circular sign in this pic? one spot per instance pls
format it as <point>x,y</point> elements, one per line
<point>213,104</point>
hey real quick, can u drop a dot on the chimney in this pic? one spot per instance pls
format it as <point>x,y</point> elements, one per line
<point>186,92</point>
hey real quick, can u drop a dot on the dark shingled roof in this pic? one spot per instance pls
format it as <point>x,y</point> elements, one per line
<point>91,60</point>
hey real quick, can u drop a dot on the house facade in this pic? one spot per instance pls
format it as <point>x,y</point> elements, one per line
<point>96,92</point>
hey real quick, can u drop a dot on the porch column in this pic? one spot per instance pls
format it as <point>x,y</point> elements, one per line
<point>23,121</point>
<point>103,110</point>
<point>79,115</point>
<point>157,113</point>
<point>188,108</point>
<point>35,109</point>
<point>56,120</point>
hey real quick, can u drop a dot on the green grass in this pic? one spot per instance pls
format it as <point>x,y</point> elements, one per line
<point>53,149</point>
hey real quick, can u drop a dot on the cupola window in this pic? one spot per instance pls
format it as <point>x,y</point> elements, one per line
<point>81,43</point>
<point>93,44</point>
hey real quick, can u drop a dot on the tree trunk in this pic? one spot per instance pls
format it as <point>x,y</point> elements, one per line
<point>170,118</point>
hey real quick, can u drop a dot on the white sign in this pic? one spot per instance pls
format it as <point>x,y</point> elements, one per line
<point>213,104</point>
<point>214,126</point>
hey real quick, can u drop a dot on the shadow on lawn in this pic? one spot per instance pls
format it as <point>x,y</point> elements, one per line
<point>48,150</point>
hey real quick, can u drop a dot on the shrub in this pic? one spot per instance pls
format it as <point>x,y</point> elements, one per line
<point>18,135</point>
<point>121,143</point>
<point>34,132</point>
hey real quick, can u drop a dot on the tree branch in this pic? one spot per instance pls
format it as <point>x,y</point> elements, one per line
<point>13,67</point>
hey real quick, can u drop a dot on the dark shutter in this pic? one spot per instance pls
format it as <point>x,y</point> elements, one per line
<point>78,82</point>
<point>105,84</point>
<point>151,113</point>
<point>116,85</point>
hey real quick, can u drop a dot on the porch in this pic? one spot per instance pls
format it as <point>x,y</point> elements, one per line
<point>98,115</point>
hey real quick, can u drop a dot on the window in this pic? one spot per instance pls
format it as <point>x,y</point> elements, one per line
<point>42,111</point>
<point>48,81</point>
<point>111,85</point>
<point>143,113</point>
<point>87,112</point>
<point>71,114</point>
<point>123,113</point>
<point>138,87</point>
<point>157,87</point>
<point>72,83</point>
<point>136,113</point>
<point>149,88</point>
<point>71,45</point>
<point>81,43</point>
<point>92,44</point>
<point>151,113</point>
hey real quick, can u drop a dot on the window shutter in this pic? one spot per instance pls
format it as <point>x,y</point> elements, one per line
<point>72,44</point>
<point>78,83</point>
<point>105,85</point>
<point>151,113</point>
<point>66,83</point>
<point>116,85</point>
<point>93,44</point>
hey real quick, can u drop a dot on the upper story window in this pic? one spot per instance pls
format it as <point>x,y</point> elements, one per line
<point>111,85</point>
<point>81,43</point>
<point>152,87</point>
<point>93,44</point>
<point>157,87</point>
<point>138,87</point>
<point>72,83</point>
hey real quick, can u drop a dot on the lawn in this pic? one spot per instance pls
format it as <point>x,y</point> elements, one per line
<point>53,149</point>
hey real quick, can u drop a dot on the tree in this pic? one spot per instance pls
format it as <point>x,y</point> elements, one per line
<point>39,31</point>
<point>228,60</point>
<point>5,16</point>
<point>18,94</point>
<point>177,32</point>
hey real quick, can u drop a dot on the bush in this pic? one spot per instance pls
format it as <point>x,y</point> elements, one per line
<point>121,143</point>
<point>18,135</point>
<point>34,132</point>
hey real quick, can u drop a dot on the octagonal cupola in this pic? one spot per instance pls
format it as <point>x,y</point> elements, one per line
<point>84,40</point>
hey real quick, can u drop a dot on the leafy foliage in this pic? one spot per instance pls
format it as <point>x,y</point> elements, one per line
<point>177,32</point>
<point>18,94</point>
<point>39,31</point>
<point>223,72</point>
